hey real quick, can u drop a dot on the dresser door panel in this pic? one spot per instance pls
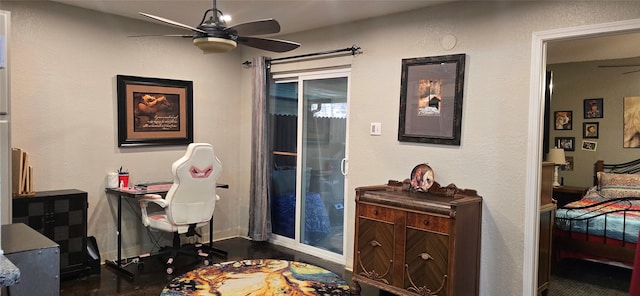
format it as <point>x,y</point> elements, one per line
<point>375,250</point>
<point>426,260</point>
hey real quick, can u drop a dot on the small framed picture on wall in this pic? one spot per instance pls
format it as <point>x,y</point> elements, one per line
<point>590,130</point>
<point>566,143</point>
<point>593,108</point>
<point>569,164</point>
<point>563,120</point>
<point>589,145</point>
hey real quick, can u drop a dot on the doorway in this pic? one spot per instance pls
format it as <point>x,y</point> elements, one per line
<point>536,103</point>
<point>309,116</point>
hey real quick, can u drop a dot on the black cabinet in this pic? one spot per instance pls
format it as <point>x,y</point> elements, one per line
<point>60,215</point>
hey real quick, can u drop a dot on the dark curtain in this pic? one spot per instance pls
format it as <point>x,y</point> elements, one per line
<point>259,209</point>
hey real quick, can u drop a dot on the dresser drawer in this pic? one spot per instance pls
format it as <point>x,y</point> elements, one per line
<point>428,222</point>
<point>375,212</point>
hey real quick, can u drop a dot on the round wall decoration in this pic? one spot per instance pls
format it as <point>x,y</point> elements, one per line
<point>422,177</point>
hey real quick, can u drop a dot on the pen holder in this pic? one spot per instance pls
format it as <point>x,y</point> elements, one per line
<point>123,180</point>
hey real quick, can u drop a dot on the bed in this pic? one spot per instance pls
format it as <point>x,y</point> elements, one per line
<point>604,225</point>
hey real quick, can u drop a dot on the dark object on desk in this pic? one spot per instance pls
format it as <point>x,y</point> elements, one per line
<point>188,205</point>
<point>37,257</point>
<point>60,215</point>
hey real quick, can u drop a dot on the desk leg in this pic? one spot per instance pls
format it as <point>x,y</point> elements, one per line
<point>218,252</point>
<point>118,264</point>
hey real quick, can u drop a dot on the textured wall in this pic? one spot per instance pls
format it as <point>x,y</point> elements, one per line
<point>65,61</point>
<point>496,36</point>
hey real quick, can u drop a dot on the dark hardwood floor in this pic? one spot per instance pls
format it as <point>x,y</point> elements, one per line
<point>569,277</point>
<point>151,279</point>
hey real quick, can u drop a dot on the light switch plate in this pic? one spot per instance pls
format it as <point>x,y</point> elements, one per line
<point>376,129</point>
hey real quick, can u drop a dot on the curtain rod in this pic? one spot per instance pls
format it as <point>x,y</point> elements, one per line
<point>354,49</point>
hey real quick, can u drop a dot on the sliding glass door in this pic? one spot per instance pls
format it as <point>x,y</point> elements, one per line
<point>309,116</point>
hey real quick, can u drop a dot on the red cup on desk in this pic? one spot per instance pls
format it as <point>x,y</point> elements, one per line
<point>123,180</point>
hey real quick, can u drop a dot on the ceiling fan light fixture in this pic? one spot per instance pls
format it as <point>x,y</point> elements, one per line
<point>214,44</point>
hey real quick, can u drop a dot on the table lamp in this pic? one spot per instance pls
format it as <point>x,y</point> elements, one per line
<point>556,155</point>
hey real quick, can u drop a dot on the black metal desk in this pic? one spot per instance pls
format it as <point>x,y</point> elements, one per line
<point>136,193</point>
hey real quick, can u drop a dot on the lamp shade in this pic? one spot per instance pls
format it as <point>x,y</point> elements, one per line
<point>556,155</point>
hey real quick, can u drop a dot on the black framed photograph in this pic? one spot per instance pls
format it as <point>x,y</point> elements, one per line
<point>154,111</point>
<point>631,128</point>
<point>431,99</point>
<point>593,108</point>
<point>563,120</point>
<point>566,143</point>
<point>590,130</point>
<point>589,145</point>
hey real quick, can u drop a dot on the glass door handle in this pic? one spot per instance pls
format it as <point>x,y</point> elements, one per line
<point>343,166</point>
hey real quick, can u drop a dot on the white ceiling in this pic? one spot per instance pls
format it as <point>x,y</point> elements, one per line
<point>302,15</point>
<point>293,15</point>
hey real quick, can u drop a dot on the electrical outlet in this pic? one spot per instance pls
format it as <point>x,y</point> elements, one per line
<point>376,129</point>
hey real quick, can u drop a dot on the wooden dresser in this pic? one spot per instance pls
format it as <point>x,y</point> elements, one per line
<point>413,243</point>
<point>547,218</point>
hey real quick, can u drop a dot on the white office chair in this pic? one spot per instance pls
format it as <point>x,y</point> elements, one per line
<point>189,203</point>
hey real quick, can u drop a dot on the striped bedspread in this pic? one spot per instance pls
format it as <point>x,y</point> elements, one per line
<point>617,218</point>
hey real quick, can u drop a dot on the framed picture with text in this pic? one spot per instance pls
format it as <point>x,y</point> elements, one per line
<point>154,111</point>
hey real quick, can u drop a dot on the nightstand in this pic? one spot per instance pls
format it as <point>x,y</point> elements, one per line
<point>567,194</point>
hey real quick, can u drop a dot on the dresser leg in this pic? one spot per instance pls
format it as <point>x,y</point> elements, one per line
<point>355,288</point>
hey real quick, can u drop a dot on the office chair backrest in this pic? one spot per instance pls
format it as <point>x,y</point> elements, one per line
<point>192,197</point>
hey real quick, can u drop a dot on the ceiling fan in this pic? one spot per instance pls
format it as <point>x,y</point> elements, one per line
<point>213,36</point>
<point>620,66</point>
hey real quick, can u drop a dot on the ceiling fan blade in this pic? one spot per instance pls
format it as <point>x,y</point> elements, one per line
<point>259,27</point>
<point>268,44</point>
<point>634,71</point>
<point>152,35</point>
<point>168,21</point>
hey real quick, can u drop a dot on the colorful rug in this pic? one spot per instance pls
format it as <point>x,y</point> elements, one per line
<point>257,278</point>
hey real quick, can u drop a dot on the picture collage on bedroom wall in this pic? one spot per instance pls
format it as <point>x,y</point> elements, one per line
<point>585,109</point>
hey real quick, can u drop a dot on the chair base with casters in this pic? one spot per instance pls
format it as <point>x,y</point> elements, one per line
<point>169,253</point>
<point>196,250</point>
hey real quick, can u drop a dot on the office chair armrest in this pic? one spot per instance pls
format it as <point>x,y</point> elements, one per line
<point>154,198</point>
<point>145,200</point>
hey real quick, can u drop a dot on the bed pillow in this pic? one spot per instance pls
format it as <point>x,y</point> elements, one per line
<point>618,185</point>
